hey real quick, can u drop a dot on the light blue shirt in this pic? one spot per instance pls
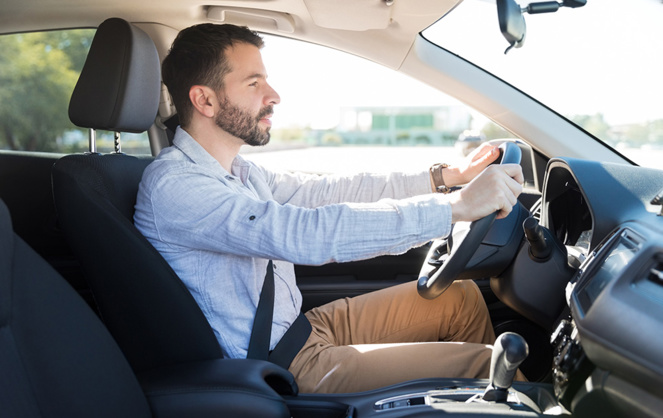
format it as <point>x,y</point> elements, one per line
<point>218,230</point>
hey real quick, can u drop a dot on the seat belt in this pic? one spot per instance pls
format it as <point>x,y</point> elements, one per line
<point>291,342</point>
<point>262,324</point>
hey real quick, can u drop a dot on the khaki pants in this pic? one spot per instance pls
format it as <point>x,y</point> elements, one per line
<point>393,335</point>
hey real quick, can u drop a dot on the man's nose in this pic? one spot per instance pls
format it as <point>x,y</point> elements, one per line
<point>272,97</point>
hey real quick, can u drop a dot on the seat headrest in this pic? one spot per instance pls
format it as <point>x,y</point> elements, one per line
<point>119,86</point>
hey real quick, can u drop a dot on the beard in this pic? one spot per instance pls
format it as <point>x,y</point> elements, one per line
<point>242,124</point>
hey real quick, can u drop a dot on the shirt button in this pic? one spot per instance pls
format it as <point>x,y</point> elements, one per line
<point>252,217</point>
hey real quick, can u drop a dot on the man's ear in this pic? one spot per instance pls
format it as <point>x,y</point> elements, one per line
<point>203,100</point>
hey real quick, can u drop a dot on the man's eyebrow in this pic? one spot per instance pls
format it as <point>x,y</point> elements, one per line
<point>255,75</point>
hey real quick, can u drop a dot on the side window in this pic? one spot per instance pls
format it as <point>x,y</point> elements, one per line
<point>38,72</point>
<point>341,113</point>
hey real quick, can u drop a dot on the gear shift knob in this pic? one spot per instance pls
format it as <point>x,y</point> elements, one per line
<point>509,351</point>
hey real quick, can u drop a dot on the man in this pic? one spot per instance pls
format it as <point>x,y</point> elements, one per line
<point>218,219</point>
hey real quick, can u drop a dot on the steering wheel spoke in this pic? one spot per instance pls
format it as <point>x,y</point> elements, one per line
<point>438,253</point>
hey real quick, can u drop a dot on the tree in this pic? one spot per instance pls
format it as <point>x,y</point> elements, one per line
<point>38,72</point>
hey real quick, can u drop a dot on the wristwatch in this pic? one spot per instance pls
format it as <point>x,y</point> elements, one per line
<point>438,179</point>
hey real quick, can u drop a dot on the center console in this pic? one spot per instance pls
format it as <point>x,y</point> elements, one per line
<point>432,397</point>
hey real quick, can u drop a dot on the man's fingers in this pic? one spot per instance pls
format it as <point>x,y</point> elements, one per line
<point>495,190</point>
<point>503,213</point>
<point>510,199</point>
<point>514,171</point>
<point>515,187</point>
<point>510,189</point>
<point>481,151</point>
<point>482,160</point>
<point>513,181</point>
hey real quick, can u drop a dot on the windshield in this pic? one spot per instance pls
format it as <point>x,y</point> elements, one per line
<point>599,65</point>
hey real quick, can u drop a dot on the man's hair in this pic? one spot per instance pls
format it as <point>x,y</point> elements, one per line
<point>197,57</point>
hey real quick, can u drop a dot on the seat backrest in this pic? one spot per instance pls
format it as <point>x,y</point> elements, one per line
<point>56,358</point>
<point>146,307</point>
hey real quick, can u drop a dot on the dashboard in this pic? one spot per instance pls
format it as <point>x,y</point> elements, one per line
<point>608,339</point>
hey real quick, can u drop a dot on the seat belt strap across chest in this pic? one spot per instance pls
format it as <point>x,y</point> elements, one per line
<point>291,342</point>
<point>262,324</point>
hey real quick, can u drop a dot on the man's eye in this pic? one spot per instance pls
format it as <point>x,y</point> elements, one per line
<point>254,84</point>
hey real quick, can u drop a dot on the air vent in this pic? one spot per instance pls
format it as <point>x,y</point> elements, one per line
<point>650,281</point>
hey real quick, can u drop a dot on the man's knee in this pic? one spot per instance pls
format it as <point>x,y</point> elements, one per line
<point>465,292</point>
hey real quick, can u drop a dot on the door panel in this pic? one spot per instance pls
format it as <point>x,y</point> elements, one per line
<point>322,284</point>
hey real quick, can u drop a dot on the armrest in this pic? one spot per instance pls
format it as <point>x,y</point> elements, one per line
<point>221,387</point>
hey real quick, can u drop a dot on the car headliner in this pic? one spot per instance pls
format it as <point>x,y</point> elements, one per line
<point>342,24</point>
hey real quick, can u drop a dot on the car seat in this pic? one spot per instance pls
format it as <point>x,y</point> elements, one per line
<point>58,360</point>
<point>146,307</point>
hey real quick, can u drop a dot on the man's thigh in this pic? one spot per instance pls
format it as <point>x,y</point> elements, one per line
<point>324,368</point>
<point>398,314</point>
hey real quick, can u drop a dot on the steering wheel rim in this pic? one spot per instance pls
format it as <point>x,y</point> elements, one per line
<point>437,274</point>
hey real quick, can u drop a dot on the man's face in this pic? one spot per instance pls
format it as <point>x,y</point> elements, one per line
<point>246,102</point>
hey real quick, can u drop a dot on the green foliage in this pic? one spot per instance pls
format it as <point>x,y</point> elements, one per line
<point>634,134</point>
<point>38,72</point>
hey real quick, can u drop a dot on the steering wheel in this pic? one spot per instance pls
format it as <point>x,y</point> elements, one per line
<point>440,270</point>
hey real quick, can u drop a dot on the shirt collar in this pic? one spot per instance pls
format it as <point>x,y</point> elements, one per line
<point>192,149</point>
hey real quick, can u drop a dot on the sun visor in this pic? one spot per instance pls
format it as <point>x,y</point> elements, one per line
<point>253,18</point>
<point>355,15</point>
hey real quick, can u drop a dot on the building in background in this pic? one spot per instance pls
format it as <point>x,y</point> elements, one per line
<point>407,126</point>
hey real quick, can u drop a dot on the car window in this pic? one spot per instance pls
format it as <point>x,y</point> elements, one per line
<point>592,64</point>
<point>341,113</point>
<point>38,72</point>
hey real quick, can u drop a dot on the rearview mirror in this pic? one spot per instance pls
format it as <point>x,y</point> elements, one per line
<point>512,23</point>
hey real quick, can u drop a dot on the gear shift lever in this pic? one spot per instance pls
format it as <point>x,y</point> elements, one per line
<point>509,351</point>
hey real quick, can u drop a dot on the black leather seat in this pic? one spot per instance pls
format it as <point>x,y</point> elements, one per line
<point>56,357</point>
<point>58,360</point>
<point>146,307</point>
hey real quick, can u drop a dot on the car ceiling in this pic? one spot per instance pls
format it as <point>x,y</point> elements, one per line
<point>354,26</point>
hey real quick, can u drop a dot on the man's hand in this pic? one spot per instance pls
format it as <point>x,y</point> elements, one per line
<point>496,189</point>
<point>471,166</point>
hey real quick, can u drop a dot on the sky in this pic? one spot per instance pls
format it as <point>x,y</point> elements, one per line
<point>603,57</point>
